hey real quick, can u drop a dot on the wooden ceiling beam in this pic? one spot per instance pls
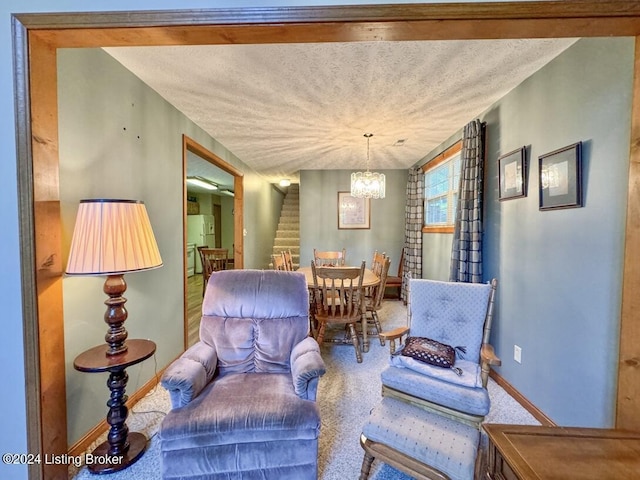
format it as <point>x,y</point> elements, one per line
<point>495,20</point>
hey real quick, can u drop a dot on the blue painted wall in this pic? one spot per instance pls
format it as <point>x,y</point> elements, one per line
<point>319,217</point>
<point>560,271</point>
<point>120,139</point>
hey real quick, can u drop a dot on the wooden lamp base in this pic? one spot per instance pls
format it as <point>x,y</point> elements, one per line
<point>102,462</point>
<point>122,448</point>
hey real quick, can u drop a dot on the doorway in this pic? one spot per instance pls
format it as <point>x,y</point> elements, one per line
<point>36,38</point>
<point>226,209</point>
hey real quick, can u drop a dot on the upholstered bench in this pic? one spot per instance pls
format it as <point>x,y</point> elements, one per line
<point>423,444</point>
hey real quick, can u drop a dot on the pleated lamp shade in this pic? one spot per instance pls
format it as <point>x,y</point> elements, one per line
<point>112,237</point>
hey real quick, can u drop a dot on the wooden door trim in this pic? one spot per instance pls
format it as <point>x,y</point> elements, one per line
<point>238,197</point>
<point>628,379</point>
<point>444,21</point>
<point>190,145</point>
<point>36,37</point>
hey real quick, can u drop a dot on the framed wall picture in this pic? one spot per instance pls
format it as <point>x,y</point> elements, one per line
<point>512,175</point>
<point>561,178</point>
<point>353,213</point>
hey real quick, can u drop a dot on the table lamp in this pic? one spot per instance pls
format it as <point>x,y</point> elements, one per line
<point>114,237</point>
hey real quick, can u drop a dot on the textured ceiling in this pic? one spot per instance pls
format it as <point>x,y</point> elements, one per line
<point>288,107</point>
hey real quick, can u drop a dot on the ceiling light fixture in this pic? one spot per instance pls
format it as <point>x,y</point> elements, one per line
<point>225,191</point>
<point>285,182</point>
<point>202,182</point>
<point>367,184</point>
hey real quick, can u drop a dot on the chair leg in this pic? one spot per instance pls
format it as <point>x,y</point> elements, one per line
<point>366,466</point>
<point>347,333</point>
<point>392,346</point>
<point>320,337</point>
<point>313,322</point>
<point>356,343</point>
<point>376,321</point>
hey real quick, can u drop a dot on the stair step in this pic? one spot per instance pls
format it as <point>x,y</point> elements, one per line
<point>293,246</point>
<point>285,243</point>
<point>282,233</point>
<point>294,249</point>
<point>294,223</point>
<point>294,258</point>
<point>277,251</point>
<point>289,226</point>
<point>288,231</point>
<point>294,214</point>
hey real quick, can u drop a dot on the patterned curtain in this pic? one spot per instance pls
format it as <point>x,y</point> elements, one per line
<point>413,230</point>
<point>466,251</point>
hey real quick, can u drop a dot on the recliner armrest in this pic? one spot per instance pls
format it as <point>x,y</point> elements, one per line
<point>188,375</point>
<point>307,367</point>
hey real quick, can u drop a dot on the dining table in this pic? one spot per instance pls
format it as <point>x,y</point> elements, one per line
<point>370,279</point>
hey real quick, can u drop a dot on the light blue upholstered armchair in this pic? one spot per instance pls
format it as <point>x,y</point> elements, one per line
<point>243,397</point>
<point>456,314</point>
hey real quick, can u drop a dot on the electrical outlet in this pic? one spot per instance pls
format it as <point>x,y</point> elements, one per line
<point>517,353</point>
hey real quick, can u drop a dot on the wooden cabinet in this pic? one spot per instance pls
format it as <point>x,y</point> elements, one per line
<point>527,452</point>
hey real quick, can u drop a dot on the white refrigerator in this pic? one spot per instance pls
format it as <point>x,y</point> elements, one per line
<point>201,232</point>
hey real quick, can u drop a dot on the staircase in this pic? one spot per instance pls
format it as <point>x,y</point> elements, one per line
<point>288,233</point>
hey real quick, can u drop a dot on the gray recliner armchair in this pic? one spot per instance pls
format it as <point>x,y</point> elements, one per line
<point>243,397</point>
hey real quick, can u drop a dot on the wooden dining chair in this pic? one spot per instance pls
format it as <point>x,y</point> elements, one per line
<point>326,258</point>
<point>376,267</point>
<point>375,294</point>
<point>213,260</point>
<point>278,261</point>
<point>337,299</point>
<point>396,281</point>
<point>288,260</point>
<point>377,263</point>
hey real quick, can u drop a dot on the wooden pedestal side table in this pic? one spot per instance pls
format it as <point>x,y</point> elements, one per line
<point>121,448</point>
<point>528,452</point>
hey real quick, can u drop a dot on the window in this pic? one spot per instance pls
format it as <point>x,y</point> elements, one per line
<point>441,181</point>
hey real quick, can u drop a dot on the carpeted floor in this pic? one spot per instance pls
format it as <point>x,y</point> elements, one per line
<point>346,395</point>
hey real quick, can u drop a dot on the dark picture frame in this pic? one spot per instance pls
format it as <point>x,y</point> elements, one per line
<point>353,213</point>
<point>512,175</point>
<point>560,178</point>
